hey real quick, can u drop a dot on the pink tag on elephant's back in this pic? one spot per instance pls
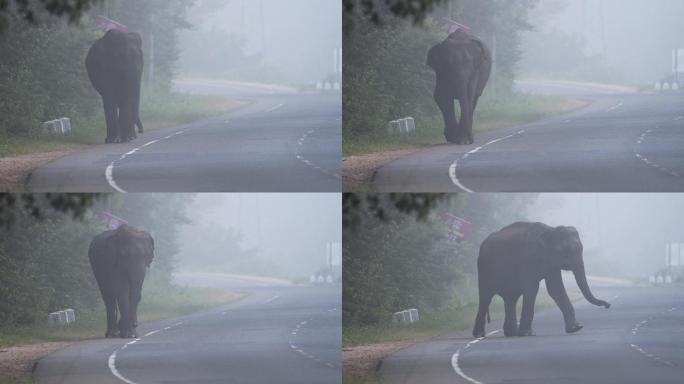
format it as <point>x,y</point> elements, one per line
<point>454,26</point>
<point>110,24</point>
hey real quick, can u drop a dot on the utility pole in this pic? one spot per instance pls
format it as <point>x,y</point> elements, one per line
<point>603,29</point>
<point>242,18</point>
<point>263,26</point>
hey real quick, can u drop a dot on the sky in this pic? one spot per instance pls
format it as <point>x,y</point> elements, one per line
<point>637,36</point>
<point>297,37</point>
<point>286,231</point>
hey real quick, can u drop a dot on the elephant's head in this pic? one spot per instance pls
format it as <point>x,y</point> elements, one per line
<point>135,248</point>
<point>564,248</point>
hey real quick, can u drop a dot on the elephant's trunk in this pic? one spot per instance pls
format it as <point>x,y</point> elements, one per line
<point>581,279</point>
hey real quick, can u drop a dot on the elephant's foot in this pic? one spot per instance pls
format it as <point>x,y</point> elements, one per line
<point>465,141</point>
<point>111,334</point>
<point>574,328</point>
<point>132,334</point>
<point>510,331</point>
<point>477,333</point>
<point>525,332</point>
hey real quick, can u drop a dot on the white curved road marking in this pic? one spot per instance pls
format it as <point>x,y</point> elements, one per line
<point>111,362</point>
<point>455,356</point>
<point>109,171</point>
<point>453,168</point>
<point>275,108</point>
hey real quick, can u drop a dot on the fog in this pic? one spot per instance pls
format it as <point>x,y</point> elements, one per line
<point>623,234</point>
<point>623,41</point>
<point>272,41</point>
<point>281,235</point>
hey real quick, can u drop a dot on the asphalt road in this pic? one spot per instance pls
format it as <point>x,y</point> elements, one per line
<point>622,142</point>
<point>640,339</point>
<point>283,141</point>
<point>277,334</point>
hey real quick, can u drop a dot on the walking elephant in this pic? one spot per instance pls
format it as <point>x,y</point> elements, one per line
<point>115,65</point>
<point>119,258</point>
<point>514,260</point>
<point>462,64</point>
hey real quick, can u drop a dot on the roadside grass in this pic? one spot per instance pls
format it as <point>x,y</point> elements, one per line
<point>435,323</point>
<point>494,111</point>
<point>156,112</point>
<point>157,303</point>
<point>432,324</point>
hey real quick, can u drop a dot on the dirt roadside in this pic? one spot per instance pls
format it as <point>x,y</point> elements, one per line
<point>17,362</point>
<point>14,170</point>
<point>358,170</point>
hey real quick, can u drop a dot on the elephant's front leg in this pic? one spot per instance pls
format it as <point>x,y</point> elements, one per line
<point>465,128</point>
<point>112,119</point>
<point>529,297</point>
<point>446,105</point>
<point>554,284</point>
<point>110,306</point>
<point>511,320</point>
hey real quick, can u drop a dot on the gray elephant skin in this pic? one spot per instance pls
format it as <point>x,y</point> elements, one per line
<point>115,65</point>
<point>512,263</point>
<point>462,64</point>
<point>119,259</point>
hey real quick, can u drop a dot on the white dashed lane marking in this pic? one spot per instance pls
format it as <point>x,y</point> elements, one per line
<point>300,156</point>
<point>109,171</point>
<point>293,334</point>
<point>453,169</point>
<point>639,142</point>
<point>641,350</point>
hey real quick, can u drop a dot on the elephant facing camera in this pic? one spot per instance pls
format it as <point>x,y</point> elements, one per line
<point>512,263</point>
<point>119,259</point>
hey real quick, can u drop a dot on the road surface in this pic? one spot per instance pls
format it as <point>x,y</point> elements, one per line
<point>283,141</point>
<point>640,339</point>
<point>277,334</point>
<point>622,142</point>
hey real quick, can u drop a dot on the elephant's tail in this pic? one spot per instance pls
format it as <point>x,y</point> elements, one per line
<point>489,320</point>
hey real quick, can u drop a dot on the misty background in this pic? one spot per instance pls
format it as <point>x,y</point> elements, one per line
<point>280,235</point>
<point>44,244</point>
<point>621,41</point>
<point>278,41</point>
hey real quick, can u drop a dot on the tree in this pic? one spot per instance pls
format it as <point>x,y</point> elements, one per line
<point>30,9</point>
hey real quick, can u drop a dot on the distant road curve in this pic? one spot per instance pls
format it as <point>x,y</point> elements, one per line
<point>638,340</point>
<point>623,142</point>
<point>284,141</point>
<point>280,333</point>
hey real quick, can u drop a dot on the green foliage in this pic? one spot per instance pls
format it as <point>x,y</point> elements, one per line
<point>397,261</point>
<point>42,71</point>
<point>385,75</point>
<point>377,10</point>
<point>42,76</point>
<point>158,21</point>
<point>44,262</point>
<point>29,9</point>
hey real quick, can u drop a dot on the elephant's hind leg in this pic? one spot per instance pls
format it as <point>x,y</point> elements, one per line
<point>511,321</point>
<point>479,328</point>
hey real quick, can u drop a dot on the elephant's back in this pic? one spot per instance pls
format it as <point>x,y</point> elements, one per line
<point>509,245</point>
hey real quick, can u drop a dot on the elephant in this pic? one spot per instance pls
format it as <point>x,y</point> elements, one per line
<point>115,66</point>
<point>119,259</point>
<point>462,64</point>
<point>513,261</point>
